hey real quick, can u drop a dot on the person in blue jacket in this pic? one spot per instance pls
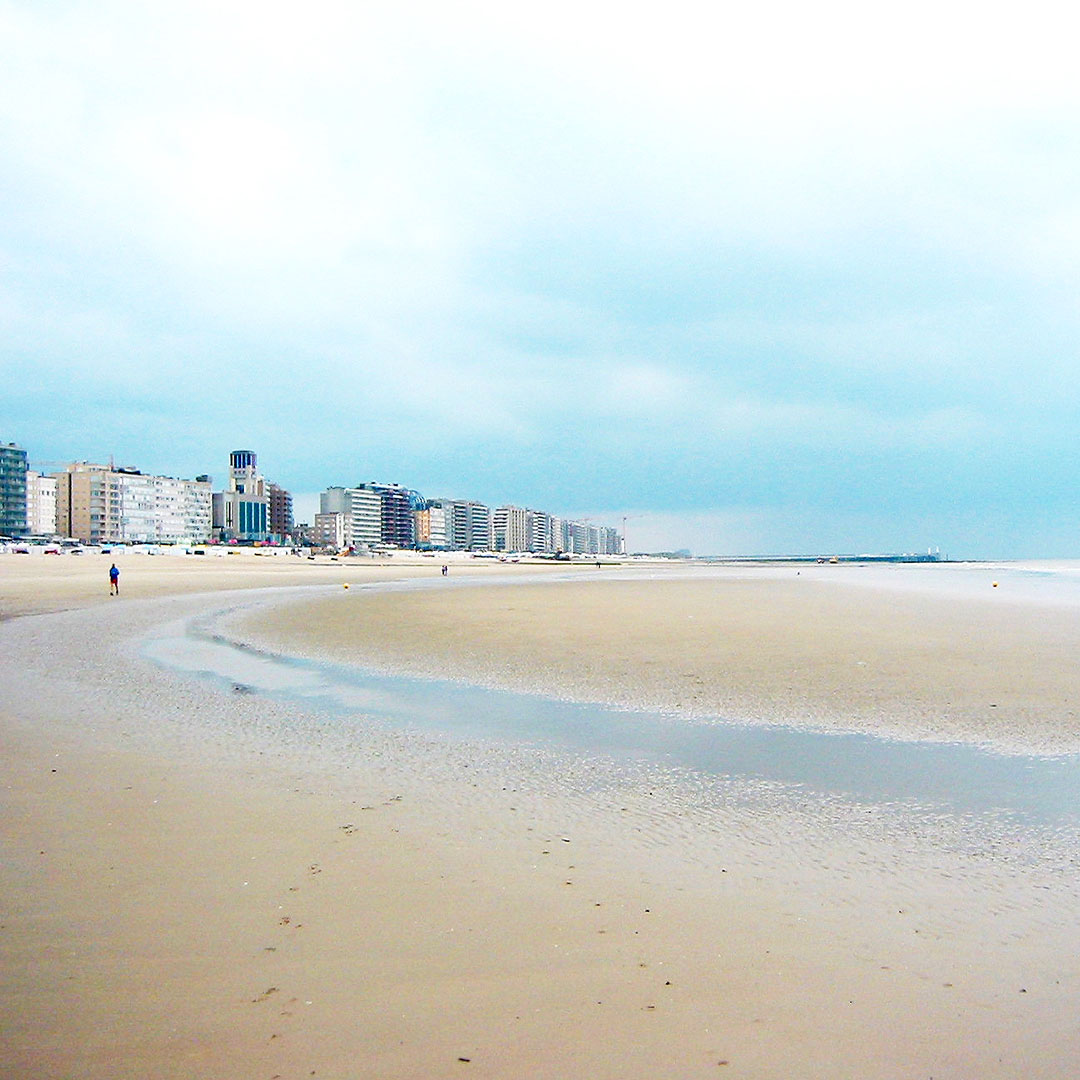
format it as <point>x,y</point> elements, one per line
<point>114,580</point>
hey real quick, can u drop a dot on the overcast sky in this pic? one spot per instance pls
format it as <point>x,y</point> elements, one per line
<point>763,278</point>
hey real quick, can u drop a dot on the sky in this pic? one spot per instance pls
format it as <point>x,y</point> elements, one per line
<point>756,279</point>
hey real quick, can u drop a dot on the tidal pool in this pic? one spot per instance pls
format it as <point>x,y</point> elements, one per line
<point>949,777</point>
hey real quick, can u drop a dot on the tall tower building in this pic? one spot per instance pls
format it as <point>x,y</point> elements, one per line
<point>242,510</point>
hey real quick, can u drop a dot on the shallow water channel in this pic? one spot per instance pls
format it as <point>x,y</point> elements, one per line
<point>947,777</point>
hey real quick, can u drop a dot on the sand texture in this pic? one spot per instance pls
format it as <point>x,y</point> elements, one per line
<point>199,883</point>
<point>823,648</point>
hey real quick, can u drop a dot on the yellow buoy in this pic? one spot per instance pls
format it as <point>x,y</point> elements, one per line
<point>995,584</point>
<point>345,585</point>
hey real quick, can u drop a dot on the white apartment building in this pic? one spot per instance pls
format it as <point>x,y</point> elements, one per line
<point>98,504</point>
<point>330,531</point>
<point>538,536</point>
<point>510,529</point>
<point>578,535</point>
<point>362,510</point>
<point>469,527</point>
<point>163,510</point>
<point>557,531</point>
<point>40,504</point>
<point>611,541</point>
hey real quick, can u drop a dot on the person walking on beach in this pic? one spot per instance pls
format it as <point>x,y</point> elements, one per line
<point>114,580</point>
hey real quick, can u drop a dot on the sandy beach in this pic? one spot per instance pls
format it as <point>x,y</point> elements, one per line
<point>875,649</point>
<point>215,884</point>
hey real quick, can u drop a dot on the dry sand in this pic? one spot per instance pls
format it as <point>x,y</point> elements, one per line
<point>188,893</point>
<point>38,583</point>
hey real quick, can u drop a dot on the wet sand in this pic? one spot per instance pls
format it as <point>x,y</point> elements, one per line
<point>855,649</point>
<point>198,884</point>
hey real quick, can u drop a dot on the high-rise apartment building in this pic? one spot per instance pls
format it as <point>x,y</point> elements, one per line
<point>88,503</point>
<point>509,529</point>
<point>440,518</point>
<point>557,534</point>
<point>469,526</point>
<point>99,504</point>
<point>538,534</point>
<point>611,541</point>
<point>281,511</point>
<point>362,510</point>
<point>13,468</point>
<point>164,510</point>
<point>397,521</point>
<point>431,526</point>
<point>579,538</point>
<point>40,504</point>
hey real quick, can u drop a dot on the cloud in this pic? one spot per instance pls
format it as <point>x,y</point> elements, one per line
<point>711,257</point>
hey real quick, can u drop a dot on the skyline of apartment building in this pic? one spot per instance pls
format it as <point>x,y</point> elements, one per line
<point>521,529</point>
<point>98,503</point>
<point>103,504</point>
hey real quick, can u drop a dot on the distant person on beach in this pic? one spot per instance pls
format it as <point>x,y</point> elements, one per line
<point>114,580</point>
<point>445,570</point>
